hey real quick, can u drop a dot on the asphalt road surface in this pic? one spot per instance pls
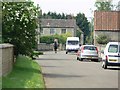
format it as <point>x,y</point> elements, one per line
<point>64,71</point>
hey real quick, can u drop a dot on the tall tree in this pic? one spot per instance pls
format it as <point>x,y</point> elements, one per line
<point>83,24</point>
<point>19,21</point>
<point>104,5</point>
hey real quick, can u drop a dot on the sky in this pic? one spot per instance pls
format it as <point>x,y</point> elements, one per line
<point>69,6</point>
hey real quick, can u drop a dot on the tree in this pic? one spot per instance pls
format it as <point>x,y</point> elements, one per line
<point>104,5</point>
<point>83,24</point>
<point>19,21</point>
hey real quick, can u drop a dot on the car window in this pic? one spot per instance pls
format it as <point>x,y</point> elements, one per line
<point>73,42</point>
<point>89,48</point>
<point>113,49</point>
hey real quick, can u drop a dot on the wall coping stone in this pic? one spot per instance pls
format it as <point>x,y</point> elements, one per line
<point>6,45</point>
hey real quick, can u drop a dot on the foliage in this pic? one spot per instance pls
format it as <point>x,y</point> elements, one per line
<point>104,5</point>
<point>26,73</point>
<point>102,39</point>
<point>90,38</point>
<point>36,54</point>
<point>83,24</point>
<point>50,39</point>
<point>54,15</point>
<point>19,21</point>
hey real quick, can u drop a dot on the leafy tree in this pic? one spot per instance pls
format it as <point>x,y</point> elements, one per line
<point>19,21</point>
<point>83,24</point>
<point>104,5</point>
<point>54,15</point>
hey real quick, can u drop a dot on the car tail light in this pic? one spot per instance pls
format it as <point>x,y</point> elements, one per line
<point>97,50</point>
<point>82,49</point>
<point>106,57</point>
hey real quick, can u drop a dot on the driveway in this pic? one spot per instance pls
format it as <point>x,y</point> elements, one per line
<point>64,71</point>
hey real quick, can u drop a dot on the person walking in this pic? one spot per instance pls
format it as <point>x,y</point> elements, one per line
<point>55,45</point>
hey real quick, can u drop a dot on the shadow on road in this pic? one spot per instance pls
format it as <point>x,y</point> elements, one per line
<point>53,59</point>
<point>51,75</point>
<point>114,68</point>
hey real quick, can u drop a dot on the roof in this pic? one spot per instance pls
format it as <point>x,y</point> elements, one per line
<point>107,20</point>
<point>73,38</point>
<point>58,23</point>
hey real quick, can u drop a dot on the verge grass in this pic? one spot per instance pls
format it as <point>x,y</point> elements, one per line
<point>26,73</point>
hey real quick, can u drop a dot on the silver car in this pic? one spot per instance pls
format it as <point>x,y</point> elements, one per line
<point>88,52</point>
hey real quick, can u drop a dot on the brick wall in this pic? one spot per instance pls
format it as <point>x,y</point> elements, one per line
<point>6,58</point>
<point>108,23</point>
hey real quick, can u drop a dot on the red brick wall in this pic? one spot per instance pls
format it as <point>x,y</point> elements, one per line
<point>107,20</point>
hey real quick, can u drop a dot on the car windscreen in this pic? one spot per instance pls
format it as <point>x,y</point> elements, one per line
<point>113,49</point>
<point>89,48</point>
<point>73,42</point>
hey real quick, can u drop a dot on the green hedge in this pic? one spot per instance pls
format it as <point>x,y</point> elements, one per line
<point>50,39</point>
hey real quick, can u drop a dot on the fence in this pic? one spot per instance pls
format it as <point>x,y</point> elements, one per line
<point>6,58</point>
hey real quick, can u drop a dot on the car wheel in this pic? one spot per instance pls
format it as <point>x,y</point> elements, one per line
<point>78,58</point>
<point>66,52</point>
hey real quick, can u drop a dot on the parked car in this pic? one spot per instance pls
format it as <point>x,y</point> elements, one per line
<point>111,55</point>
<point>88,52</point>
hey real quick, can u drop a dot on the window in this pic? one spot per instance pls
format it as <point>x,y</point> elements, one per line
<point>52,31</point>
<point>41,31</point>
<point>63,31</point>
<point>73,42</point>
<point>89,48</point>
<point>113,49</point>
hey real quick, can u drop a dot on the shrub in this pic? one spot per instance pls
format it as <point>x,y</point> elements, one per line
<point>50,39</point>
<point>102,39</point>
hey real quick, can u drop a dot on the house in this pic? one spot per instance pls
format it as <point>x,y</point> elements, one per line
<point>107,23</point>
<point>58,26</point>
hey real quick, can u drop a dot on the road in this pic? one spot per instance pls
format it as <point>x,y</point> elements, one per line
<point>64,71</point>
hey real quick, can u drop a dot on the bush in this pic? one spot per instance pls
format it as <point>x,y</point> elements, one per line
<point>102,39</point>
<point>36,54</point>
<point>50,39</point>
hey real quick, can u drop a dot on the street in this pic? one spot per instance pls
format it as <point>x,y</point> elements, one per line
<point>64,71</point>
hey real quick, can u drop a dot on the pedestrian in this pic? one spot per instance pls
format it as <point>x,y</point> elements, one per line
<point>55,45</point>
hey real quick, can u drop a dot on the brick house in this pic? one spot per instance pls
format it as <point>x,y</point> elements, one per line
<point>107,23</point>
<point>58,26</point>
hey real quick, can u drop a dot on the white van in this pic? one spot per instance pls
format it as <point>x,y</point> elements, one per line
<point>111,55</point>
<point>72,44</point>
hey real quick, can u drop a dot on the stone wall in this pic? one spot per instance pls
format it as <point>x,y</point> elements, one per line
<point>100,48</point>
<point>6,58</point>
<point>113,35</point>
<point>49,47</point>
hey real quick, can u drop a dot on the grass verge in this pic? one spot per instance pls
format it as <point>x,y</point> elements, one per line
<point>26,73</point>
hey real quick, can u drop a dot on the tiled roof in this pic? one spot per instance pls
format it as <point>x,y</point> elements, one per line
<point>107,20</point>
<point>58,23</point>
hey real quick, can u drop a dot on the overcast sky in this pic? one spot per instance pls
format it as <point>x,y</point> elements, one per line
<point>69,6</point>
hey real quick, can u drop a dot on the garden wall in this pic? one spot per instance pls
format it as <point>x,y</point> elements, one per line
<point>49,47</point>
<point>6,59</point>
